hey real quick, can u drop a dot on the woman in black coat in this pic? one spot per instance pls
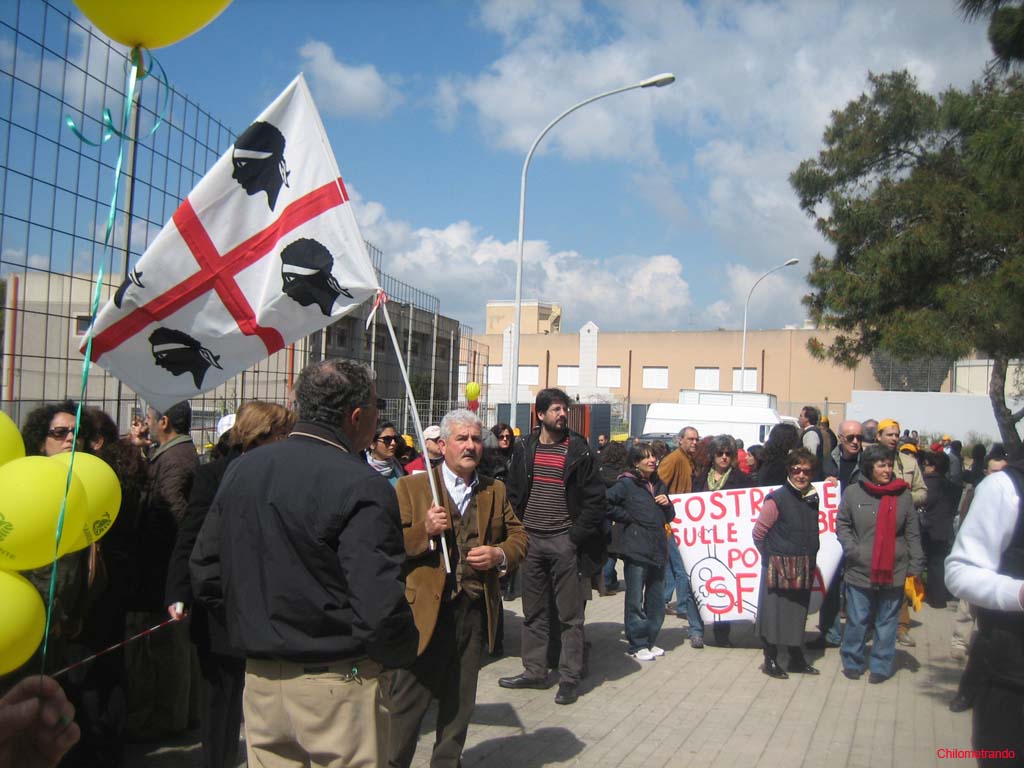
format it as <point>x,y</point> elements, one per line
<point>937,524</point>
<point>639,503</point>
<point>783,438</point>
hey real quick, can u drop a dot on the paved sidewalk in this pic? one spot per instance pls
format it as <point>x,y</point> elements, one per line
<point>711,707</point>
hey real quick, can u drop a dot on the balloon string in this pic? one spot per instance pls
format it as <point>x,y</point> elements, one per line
<point>122,134</point>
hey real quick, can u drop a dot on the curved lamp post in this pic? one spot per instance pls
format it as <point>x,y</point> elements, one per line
<point>746,306</point>
<point>657,81</point>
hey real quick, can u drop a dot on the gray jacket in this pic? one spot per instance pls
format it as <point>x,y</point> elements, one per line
<point>855,527</point>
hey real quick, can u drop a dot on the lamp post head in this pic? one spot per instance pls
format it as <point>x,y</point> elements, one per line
<point>665,78</point>
<point>791,262</point>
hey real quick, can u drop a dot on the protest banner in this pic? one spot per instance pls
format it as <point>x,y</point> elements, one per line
<point>714,533</point>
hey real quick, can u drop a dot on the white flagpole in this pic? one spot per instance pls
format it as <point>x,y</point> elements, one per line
<point>417,426</point>
<point>329,157</point>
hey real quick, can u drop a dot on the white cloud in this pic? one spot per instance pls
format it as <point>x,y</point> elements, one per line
<point>465,268</point>
<point>446,103</point>
<point>347,90</point>
<point>775,301</point>
<point>757,83</point>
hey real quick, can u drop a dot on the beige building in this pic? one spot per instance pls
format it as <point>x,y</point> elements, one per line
<point>637,368</point>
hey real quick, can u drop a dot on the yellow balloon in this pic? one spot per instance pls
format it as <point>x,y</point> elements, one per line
<point>472,391</point>
<point>150,23</point>
<point>103,494</point>
<point>31,492</point>
<point>11,444</point>
<point>21,631</point>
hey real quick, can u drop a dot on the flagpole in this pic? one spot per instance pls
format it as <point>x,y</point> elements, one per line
<point>417,426</point>
<point>382,300</point>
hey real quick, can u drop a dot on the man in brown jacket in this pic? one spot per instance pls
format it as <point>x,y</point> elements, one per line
<point>452,611</point>
<point>676,469</point>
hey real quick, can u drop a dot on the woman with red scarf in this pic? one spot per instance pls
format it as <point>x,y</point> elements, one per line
<point>878,528</point>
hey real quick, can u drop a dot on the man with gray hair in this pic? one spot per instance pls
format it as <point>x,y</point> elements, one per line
<point>452,610</point>
<point>302,553</point>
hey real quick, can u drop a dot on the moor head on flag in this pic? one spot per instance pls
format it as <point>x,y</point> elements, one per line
<point>178,353</point>
<point>306,275</point>
<point>258,161</point>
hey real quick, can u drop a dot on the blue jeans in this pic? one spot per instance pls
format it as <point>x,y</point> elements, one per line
<point>645,608</point>
<point>611,579</point>
<point>859,604</point>
<point>678,580</point>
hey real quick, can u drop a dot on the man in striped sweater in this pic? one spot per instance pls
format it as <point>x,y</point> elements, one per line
<point>555,488</point>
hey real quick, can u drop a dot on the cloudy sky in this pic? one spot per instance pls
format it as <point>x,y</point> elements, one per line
<point>652,209</point>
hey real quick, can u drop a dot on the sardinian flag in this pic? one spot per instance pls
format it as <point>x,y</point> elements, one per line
<point>265,250</point>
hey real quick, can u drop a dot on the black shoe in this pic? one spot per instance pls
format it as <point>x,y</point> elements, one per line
<point>566,694</point>
<point>960,703</point>
<point>523,681</point>
<point>697,641</point>
<point>875,678</point>
<point>852,674</point>
<point>772,669</point>
<point>802,668</point>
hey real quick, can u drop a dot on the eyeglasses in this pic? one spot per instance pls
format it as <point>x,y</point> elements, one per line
<point>800,470</point>
<point>387,439</point>
<point>724,453</point>
<point>59,433</point>
<point>852,438</point>
<point>504,437</point>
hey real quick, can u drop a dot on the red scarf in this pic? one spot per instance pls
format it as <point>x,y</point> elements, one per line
<point>883,555</point>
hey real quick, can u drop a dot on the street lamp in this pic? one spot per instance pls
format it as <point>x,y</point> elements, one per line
<point>666,78</point>
<point>746,306</point>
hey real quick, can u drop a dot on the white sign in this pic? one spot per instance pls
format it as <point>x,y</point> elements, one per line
<point>714,532</point>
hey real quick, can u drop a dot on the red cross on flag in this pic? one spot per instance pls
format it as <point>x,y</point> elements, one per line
<point>265,250</point>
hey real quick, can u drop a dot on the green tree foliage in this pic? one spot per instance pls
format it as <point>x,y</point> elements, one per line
<point>923,201</point>
<point>1005,28</point>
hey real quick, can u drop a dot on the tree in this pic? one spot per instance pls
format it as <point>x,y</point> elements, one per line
<point>923,201</point>
<point>1005,28</point>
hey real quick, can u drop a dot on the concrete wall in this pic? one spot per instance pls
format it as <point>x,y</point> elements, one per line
<point>964,417</point>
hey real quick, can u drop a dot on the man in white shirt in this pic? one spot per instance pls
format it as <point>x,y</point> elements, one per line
<point>454,612</point>
<point>986,568</point>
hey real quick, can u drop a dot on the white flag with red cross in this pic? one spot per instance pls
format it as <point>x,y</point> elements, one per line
<point>265,250</point>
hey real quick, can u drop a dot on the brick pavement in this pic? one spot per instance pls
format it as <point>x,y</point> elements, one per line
<point>710,707</point>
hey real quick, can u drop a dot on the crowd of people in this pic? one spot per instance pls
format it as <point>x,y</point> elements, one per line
<point>336,583</point>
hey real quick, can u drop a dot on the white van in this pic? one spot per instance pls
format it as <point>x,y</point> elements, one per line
<point>735,414</point>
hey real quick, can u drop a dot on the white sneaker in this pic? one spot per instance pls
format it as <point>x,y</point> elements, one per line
<point>643,655</point>
<point>656,651</point>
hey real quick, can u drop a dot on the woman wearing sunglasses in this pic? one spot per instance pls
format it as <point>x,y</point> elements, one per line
<point>381,453</point>
<point>786,535</point>
<point>723,473</point>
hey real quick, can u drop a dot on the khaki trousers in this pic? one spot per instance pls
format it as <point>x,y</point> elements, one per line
<point>312,716</point>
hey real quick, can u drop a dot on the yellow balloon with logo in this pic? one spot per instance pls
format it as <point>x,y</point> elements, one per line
<point>472,391</point>
<point>150,23</point>
<point>103,495</point>
<point>31,493</point>
<point>21,631</point>
<point>11,444</point>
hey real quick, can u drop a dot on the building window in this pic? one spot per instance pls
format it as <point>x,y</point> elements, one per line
<point>568,375</point>
<point>705,378</point>
<point>82,324</point>
<point>492,375</point>
<point>609,376</point>
<point>529,375</point>
<point>463,373</point>
<point>750,383</point>
<point>655,378</point>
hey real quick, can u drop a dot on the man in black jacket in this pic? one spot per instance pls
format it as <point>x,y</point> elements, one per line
<point>555,487</point>
<point>302,550</point>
